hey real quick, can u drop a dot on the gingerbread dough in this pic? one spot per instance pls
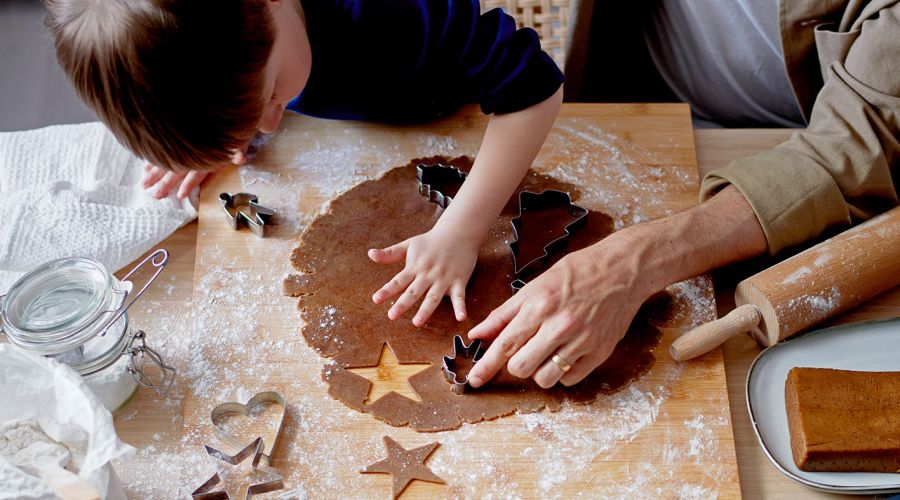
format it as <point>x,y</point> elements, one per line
<point>342,323</point>
<point>405,466</point>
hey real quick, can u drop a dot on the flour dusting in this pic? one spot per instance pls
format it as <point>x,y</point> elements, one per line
<point>238,336</point>
<point>794,276</point>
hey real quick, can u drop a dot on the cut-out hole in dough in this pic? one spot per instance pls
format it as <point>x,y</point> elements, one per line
<point>389,376</point>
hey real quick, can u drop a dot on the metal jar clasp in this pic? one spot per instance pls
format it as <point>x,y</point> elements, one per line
<point>142,350</point>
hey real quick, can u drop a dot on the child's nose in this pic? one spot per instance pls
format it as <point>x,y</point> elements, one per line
<point>271,118</point>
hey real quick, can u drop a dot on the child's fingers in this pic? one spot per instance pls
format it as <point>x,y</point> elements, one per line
<point>429,304</point>
<point>153,175</point>
<point>169,181</point>
<point>191,181</point>
<point>148,167</point>
<point>390,255</point>
<point>238,157</point>
<point>397,284</point>
<point>412,294</point>
<point>458,298</point>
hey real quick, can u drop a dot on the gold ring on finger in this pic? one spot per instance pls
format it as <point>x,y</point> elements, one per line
<point>563,365</point>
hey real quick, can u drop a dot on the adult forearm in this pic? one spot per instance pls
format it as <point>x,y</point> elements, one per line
<point>511,143</point>
<point>720,231</point>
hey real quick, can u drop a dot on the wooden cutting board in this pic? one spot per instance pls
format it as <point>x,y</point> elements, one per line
<point>669,434</point>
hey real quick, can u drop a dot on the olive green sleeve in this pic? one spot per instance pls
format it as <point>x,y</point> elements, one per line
<point>845,167</point>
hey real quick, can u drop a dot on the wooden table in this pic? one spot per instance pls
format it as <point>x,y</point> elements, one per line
<point>168,306</point>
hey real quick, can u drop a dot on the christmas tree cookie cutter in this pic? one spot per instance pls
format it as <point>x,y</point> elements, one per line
<point>528,202</point>
<point>432,177</point>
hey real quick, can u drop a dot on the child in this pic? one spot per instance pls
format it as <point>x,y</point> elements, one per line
<point>186,84</point>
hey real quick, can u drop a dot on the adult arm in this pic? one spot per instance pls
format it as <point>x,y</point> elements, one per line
<point>582,306</point>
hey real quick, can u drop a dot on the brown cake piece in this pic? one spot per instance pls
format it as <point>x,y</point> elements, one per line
<point>844,421</point>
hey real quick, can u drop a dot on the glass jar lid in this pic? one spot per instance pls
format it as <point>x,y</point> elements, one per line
<point>60,305</point>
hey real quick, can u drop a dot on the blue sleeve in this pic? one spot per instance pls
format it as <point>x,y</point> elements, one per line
<point>411,60</point>
<point>506,67</point>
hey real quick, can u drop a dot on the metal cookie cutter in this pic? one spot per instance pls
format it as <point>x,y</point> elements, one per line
<point>244,208</point>
<point>473,351</point>
<point>263,480</point>
<point>432,177</point>
<point>528,202</point>
<point>224,410</point>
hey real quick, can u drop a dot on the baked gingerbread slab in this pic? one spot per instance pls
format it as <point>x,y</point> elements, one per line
<point>844,421</point>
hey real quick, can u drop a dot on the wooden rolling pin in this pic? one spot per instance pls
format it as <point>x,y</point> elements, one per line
<point>806,289</point>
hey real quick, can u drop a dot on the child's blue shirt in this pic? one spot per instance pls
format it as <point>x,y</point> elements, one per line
<point>402,61</point>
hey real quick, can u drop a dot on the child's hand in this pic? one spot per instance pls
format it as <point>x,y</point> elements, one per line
<point>163,181</point>
<point>438,263</point>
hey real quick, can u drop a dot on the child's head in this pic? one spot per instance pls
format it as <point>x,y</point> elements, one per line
<point>183,83</point>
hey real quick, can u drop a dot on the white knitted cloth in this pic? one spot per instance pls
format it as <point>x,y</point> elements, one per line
<point>74,190</point>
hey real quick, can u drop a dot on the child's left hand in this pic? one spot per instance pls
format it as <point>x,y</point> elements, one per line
<point>438,263</point>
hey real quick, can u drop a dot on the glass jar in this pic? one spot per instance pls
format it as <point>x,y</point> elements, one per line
<point>74,310</point>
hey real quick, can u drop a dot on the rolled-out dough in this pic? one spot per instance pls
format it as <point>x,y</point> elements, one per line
<point>337,280</point>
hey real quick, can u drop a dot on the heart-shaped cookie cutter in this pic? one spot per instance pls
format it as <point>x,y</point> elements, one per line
<point>222,411</point>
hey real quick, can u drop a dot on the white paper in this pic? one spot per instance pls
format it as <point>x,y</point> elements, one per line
<point>67,410</point>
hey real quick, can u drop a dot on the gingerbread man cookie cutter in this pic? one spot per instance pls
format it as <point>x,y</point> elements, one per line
<point>244,209</point>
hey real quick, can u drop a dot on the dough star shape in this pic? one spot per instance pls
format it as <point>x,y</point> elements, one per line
<point>236,477</point>
<point>340,321</point>
<point>405,466</point>
<point>389,375</point>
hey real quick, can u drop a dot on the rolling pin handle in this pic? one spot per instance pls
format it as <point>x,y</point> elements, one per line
<point>707,337</point>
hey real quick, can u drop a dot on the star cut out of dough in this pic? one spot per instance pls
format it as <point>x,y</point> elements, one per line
<point>390,376</point>
<point>236,478</point>
<point>405,466</point>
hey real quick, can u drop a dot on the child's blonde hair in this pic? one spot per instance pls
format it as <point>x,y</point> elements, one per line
<point>179,82</point>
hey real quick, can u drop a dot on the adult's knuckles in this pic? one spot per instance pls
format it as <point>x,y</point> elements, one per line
<point>506,346</point>
<point>516,368</point>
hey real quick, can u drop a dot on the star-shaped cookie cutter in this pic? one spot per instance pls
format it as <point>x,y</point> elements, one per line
<point>244,209</point>
<point>265,482</point>
<point>528,201</point>
<point>437,174</point>
<point>473,351</point>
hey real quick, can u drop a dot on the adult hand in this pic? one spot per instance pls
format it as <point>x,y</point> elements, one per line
<point>581,307</point>
<point>578,310</point>
<point>438,263</point>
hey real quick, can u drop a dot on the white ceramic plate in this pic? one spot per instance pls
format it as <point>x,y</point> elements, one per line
<point>867,346</point>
